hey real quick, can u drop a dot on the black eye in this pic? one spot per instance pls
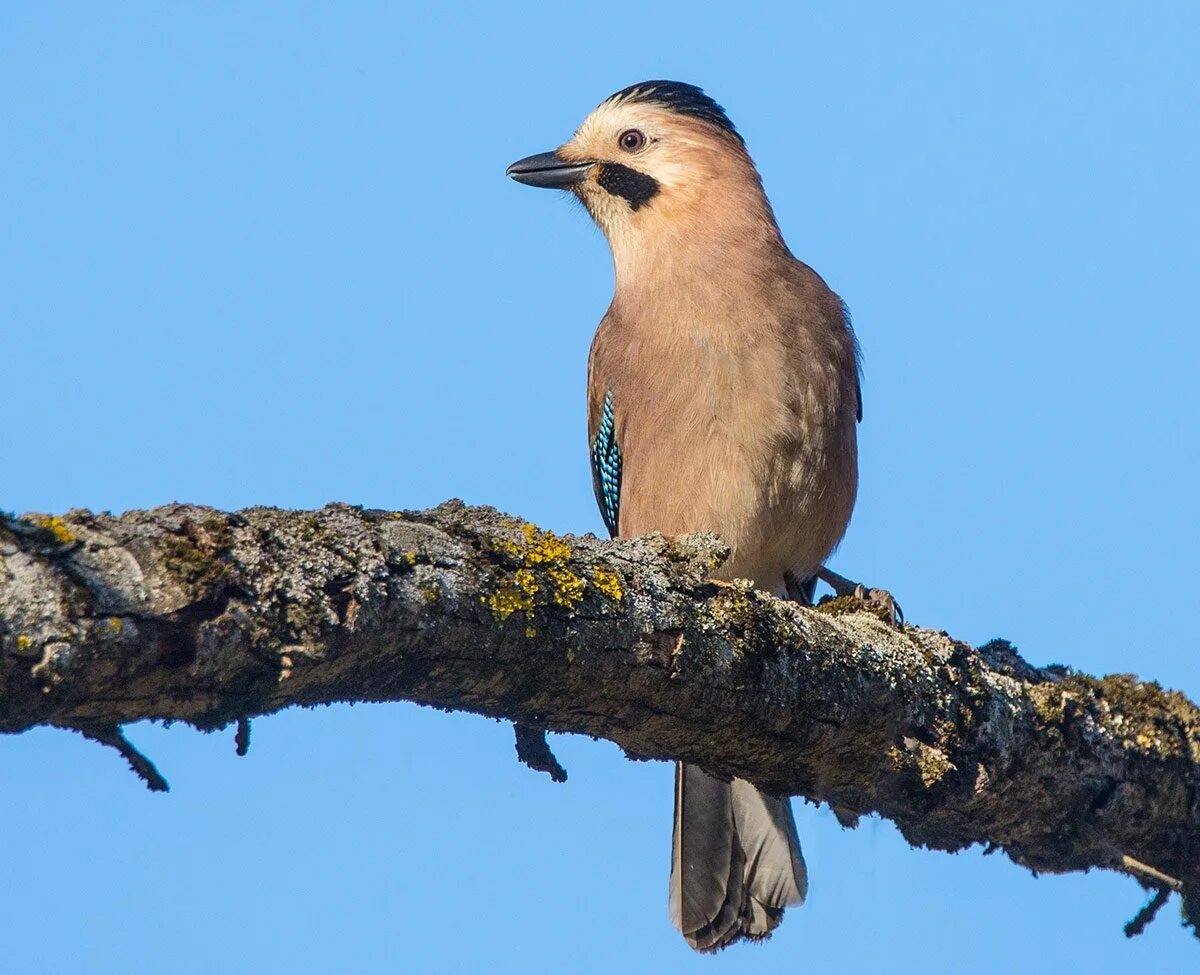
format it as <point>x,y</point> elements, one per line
<point>631,140</point>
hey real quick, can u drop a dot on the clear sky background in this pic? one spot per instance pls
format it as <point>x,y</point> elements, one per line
<point>266,254</point>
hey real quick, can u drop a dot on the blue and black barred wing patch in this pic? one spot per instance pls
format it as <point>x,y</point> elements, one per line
<point>606,466</point>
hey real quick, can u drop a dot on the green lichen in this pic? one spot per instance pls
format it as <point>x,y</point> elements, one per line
<point>945,731</point>
<point>732,612</point>
<point>846,605</point>
<point>190,564</point>
<point>306,619</point>
<point>702,559</point>
<point>733,603</point>
<point>219,533</point>
<point>750,621</point>
<point>309,528</point>
<point>1141,715</point>
<point>1049,703</point>
<point>932,764</point>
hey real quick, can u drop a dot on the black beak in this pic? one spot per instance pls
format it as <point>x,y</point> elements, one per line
<point>548,170</point>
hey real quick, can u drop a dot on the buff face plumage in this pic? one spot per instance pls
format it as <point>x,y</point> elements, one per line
<point>723,396</point>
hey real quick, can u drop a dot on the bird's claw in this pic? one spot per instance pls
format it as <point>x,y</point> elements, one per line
<point>880,600</point>
<point>854,596</point>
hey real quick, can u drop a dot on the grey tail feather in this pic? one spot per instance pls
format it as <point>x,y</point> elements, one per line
<point>735,863</point>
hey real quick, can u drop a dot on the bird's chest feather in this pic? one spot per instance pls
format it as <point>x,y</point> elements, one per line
<point>730,431</point>
<point>694,418</point>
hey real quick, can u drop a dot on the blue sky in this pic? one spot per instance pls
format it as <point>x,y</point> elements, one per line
<point>266,254</point>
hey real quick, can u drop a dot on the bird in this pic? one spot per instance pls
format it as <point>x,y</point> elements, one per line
<point>723,395</point>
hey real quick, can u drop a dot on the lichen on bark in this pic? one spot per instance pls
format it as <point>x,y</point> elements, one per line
<point>189,614</point>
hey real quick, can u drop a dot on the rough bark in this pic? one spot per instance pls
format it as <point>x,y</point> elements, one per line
<point>190,614</point>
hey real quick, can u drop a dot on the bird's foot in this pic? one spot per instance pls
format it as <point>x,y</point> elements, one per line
<point>737,584</point>
<point>851,597</point>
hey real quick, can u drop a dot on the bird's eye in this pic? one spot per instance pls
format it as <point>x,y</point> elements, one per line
<point>631,140</point>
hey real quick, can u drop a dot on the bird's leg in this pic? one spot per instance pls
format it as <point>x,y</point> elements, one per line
<point>723,583</point>
<point>877,601</point>
<point>802,591</point>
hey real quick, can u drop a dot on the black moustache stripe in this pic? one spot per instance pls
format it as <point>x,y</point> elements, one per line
<point>637,189</point>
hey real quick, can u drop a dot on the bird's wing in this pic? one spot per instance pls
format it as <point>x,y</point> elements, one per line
<point>604,447</point>
<point>606,465</point>
<point>857,360</point>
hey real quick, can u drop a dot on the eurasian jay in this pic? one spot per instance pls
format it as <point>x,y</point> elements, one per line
<point>723,395</point>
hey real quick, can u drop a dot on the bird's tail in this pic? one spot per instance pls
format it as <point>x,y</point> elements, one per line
<point>735,863</point>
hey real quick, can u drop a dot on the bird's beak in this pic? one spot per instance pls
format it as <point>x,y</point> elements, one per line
<point>546,169</point>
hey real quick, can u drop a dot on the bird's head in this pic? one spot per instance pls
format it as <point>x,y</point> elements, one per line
<point>658,160</point>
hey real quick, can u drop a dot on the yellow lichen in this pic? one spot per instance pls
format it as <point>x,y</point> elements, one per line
<point>568,587</point>
<point>114,624</point>
<point>537,548</point>
<point>534,552</point>
<point>542,547</point>
<point>607,583</point>
<point>23,642</point>
<point>514,597</point>
<point>56,526</point>
<point>526,582</point>
<point>507,546</point>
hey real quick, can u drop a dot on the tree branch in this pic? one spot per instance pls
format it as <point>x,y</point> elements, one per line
<point>190,614</point>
